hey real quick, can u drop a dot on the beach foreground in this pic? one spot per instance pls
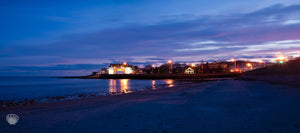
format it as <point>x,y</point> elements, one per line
<point>215,106</point>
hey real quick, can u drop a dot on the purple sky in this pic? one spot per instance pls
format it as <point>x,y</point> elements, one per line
<point>76,38</point>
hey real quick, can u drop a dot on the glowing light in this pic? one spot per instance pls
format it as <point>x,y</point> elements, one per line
<point>280,58</point>
<point>153,65</point>
<point>153,84</point>
<point>112,86</point>
<point>193,65</point>
<point>128,70</point>
<point>124,63</point>
<point>170,82</point>
<point>249,64</point>
<point>232,59</point>
<point>237,70</point>
<point>110,70</point>
<point>170,61</point>
<point>124,86</point>
<point>260,61</point>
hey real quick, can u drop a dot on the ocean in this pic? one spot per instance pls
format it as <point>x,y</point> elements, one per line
<point>20,88</point>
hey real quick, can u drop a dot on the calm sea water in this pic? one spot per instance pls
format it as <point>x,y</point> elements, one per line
<point>18,88</point>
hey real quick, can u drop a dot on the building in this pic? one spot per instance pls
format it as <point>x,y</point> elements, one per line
<point>189,70</point>
<point>215,67</point>
<point>124,68</point>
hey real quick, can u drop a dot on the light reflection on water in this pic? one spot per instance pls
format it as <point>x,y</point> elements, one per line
<point>170,82</point>
<point>12,88</point>
<point>123,85</point>
<point>153,85</point>
<point>112,86</point>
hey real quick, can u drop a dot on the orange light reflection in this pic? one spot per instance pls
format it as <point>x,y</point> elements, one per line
<point>170,82</point>
<point>112,86</point>
<point>124,85</point>
<point>153,84</point>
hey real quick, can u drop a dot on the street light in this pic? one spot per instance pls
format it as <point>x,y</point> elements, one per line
<point>153,66</point>
<point>280,59</point>
<point>249,65</point>
<point>171,69</point>
<point>233,60</point>
<point>261,61</point>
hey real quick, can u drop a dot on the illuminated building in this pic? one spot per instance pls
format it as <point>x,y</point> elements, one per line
<point>124,68</point>
<point>189,70</point>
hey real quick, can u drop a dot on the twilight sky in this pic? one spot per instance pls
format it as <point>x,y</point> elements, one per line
<point>75,38</point>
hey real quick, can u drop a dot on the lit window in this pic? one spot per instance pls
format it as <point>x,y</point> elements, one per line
<point>110,70</point>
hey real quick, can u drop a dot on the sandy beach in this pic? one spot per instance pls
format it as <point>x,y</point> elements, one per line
<point>214,106</point>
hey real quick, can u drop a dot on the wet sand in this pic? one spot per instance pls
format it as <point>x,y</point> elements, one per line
<point>214,106</point>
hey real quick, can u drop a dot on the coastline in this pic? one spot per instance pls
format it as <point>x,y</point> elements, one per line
<point>232,105</point>
<point>160,76</point>
<point>108,97</point>
<point>58,98</point>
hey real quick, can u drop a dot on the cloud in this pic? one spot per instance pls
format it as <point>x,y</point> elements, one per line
<point>289,22</point>
<point>210,37</point>
<point>275,45</point>
<point>198,49</point>
<point>207,42</point>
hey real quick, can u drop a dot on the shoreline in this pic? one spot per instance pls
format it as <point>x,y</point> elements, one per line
<point>108,97</point>
<point>232,105</point>
<point>54,99</point>
<point>159,76</point>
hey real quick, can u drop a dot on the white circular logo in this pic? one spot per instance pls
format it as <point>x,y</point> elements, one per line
<point>12,119</point>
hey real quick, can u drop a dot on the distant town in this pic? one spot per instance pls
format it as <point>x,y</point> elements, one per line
<point>170,67</point>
